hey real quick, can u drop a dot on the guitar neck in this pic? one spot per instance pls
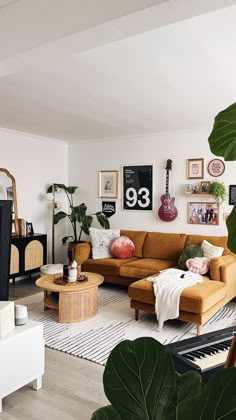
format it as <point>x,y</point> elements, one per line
<point>167,182</point>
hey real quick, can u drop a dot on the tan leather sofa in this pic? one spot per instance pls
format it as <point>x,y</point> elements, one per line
<point>155,251</point>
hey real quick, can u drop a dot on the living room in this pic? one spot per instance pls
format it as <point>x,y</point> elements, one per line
<point>95,92</point>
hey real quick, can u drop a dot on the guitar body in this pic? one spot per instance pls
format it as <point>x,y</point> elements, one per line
<point>167,212</point>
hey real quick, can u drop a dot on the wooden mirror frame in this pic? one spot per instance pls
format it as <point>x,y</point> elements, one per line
<point>16,221</point>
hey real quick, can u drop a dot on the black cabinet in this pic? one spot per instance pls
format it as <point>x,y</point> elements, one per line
<point>28,254</point>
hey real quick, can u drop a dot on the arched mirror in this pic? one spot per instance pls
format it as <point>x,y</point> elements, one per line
<point>8,192</point>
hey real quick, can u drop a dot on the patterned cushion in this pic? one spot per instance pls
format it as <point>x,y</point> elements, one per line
<point>211,251</point>
<point>191,251</point>
<point>101,240</point>
<point>122,247</point>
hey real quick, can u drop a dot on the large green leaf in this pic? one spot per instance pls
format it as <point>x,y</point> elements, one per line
<point>217,400</point>
<point>139,379</point>
<point>231,226</point>
<point>80,212</point>
<point>59,216</point>
<point>103,220</point>
<point>188,384</point>
<point>86,224</point>
<point>106,413</point>
<point>222,139</point>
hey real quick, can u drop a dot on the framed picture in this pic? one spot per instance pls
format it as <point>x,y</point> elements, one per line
<point>188,189</point>
<point>203,213</point>
<point>195,168</point>
<point>108,184</point>
<point>216,167</point>
<point>232,195</point>
<point>205,187</point>
<point>137,187</point>
<point>29,228</point>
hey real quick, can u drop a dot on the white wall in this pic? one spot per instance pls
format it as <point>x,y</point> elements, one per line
<point>35,163</point>
<point>87,159</point>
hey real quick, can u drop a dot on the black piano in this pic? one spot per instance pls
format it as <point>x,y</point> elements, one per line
<point>206,353</point>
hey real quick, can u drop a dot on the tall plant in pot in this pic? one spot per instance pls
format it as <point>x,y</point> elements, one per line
<point>222,142</point>
<point>79,219</point>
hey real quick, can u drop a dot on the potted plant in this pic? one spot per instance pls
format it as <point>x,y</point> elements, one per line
<point>77,215</point>
<point>141,383</point>
<point>222,142</point>
<point>218,190</point>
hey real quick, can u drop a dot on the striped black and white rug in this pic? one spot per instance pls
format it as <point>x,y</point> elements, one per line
<point>94,338</point>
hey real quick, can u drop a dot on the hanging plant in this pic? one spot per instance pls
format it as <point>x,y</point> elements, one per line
<point>218,190</point>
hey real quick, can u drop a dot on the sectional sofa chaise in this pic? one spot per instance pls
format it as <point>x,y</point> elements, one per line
<point>155,251</point>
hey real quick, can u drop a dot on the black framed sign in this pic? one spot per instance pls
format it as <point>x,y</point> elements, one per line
<point>232,194</point>
<point>137,187</point>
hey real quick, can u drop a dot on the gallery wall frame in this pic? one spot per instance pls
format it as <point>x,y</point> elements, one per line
<point>216,167</point>
<point>108,184</point>
<point>205,187</point>
<point>137,187</point>
<point>204,213</point>
<point>232,195</point>
<point>195,168</point>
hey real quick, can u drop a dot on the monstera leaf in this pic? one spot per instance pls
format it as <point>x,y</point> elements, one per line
<point>222,139</point>
<point>141,383</point>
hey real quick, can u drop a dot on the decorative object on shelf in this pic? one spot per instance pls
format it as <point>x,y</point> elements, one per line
<point>188,189</point>
<point>203,213</point>
<point>108,184</point>
<point>167,212</point>
<point>216,167</point>
<point>29,228</point>
<point>232,195</point>
<point>8,192</point>
<point>195,168</point>
<point>22,227</point>
<point>72,272</point>
<point>205,187</point>
<point>137,187</point>
<point>108,208</point>
<point>195,189</point>
<point>78,215</point>
<point>218,190</point>
<point>21,314</point>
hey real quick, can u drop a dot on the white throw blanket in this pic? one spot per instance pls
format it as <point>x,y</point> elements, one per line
<point>168,286</point>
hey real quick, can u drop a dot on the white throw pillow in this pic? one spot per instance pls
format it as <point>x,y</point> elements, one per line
<point>101,240</point>
<point>211,251</point>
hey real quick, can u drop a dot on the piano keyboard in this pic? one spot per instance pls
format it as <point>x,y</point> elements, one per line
<point>206,353</point>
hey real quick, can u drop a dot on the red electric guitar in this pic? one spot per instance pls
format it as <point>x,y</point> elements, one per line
<point>167,212</point>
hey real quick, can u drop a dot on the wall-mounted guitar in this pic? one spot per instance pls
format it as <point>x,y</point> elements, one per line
<point>167,212</point>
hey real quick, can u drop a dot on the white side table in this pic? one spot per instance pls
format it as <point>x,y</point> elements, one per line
<point>21,358</point>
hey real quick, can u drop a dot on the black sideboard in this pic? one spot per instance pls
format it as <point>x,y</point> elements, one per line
<point>28,254</point>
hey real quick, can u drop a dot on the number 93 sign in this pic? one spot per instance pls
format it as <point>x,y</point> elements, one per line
<point>137,187</point>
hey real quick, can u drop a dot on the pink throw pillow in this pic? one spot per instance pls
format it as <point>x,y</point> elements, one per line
<point>122,247</point>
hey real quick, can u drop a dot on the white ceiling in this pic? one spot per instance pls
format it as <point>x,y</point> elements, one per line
<point>116,75</point>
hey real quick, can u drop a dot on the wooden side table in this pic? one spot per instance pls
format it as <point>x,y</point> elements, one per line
<point>21,358</point>
<point>76,302</point>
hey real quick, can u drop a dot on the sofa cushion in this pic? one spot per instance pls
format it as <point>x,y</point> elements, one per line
<point>191,251</point>
<point>104,266</point>
<point>214,240</point>
<point>137,237</point>
<point>197,299</point>
<point>101,240</point>
<point>211,251</point>
<point>144,267</point>
<point>167,246</point>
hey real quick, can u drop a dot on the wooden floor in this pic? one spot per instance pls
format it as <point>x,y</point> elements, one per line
<point>72,387</point>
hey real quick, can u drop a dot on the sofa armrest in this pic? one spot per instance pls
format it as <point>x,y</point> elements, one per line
<point>82,252</point>
<point>217,265</point>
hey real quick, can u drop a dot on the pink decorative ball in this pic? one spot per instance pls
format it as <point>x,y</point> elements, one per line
<point>122,247</point>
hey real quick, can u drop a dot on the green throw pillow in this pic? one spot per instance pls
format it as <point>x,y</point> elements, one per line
<point>191,251</point>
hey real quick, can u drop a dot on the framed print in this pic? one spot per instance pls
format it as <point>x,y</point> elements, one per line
<point>216,167</point>
<point>108,184</point>
<point>205,187</point>
<point>188,189</point>
<point>203,213</point>
<point>232,195</point>
<point>195,168</point>
<point>137,187</point>
<point>29,228</point>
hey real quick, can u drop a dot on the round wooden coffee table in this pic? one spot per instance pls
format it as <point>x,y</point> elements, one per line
<point>75,302</point>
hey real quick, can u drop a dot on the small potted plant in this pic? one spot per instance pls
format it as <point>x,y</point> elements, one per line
<point>218,190</point>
